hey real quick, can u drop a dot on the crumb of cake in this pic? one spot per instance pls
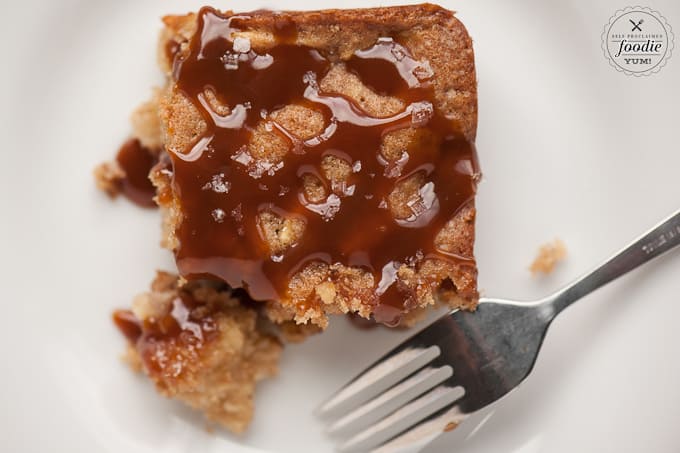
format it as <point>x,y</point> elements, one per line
<point>146,126</point>
<point>201,345</point>
<point>128,175</point>
<point>292,332</point>
<point>413,317</point>
<point>108,177</point>
<point>549,255</point>
<point>450,427</point>
<point>171,214</point>
<point>131,358</point>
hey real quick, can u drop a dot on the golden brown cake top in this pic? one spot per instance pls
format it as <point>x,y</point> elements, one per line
<point>332,146</point>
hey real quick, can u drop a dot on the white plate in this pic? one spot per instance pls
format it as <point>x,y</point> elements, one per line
<point>569,148</point>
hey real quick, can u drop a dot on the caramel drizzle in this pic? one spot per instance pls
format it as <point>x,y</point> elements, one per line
<point>219,237</point>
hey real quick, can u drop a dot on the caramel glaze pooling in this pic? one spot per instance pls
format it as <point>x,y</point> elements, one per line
<point>180,329</point>
<point>219,236</point>
<point>136,161</point>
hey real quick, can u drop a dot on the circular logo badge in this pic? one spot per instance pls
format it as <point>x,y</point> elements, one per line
<point>637,41</point>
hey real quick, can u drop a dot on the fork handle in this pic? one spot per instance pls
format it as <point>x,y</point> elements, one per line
<point>655,242</point>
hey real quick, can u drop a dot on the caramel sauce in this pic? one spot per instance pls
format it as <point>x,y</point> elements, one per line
<point>361,323</point>
<point>173,335</point>
<point>219,237</point>
<point>128,324</point>
<point>136,161</point>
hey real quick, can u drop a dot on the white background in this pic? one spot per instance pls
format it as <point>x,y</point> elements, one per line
<point>569,147</point>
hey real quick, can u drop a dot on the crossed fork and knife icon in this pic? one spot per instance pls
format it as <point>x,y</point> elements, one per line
<point>636,26</point>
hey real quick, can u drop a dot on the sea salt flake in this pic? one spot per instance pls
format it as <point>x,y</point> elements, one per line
<point>262,61</point>
<point>230,60</point>
<point>218,184</point>
<point>423,71</point>
<point>398,53</point>
<point>421,112</point>
<point>241,45</point>
<point>237,213</point>
<point>219,215</point>
<point>243,157</point>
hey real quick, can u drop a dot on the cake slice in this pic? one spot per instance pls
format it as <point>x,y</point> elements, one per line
<point>306,164</point>
<point>323,161</point>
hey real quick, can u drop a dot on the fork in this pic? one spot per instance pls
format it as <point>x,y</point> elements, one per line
<point>464,361</point>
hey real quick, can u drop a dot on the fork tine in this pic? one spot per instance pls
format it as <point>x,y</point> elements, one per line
<point>403,418</point>
<point>417,437</point>
<point>392,399</point>
<point>383,374</point>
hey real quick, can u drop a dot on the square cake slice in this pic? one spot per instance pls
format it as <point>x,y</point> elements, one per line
<point>323,161</point>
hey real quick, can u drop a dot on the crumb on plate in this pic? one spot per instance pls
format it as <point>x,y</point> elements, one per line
<point>549,255</point>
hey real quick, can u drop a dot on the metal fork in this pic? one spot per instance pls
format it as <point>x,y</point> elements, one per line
<point>464,361</point>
